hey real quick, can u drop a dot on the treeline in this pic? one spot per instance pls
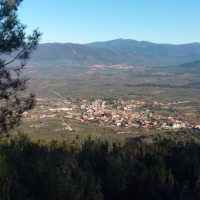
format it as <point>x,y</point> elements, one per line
<point>38,170</point>
<point>190,85</point>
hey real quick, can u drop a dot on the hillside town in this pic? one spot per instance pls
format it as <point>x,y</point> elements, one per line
<point>114,113</point>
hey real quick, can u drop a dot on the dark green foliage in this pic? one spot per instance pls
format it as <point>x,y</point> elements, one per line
<point>56,171</point>
<point>15,50</point>
<point>190,85</point>
<point>4,178</point>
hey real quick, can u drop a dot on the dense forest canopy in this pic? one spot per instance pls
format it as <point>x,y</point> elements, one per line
<point>95,170</point>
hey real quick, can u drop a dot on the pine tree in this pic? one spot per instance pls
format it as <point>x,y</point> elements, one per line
<point>15,50</point>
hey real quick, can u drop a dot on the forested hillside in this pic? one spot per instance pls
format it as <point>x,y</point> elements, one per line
<point>94,170</point>
<point>118,51</point>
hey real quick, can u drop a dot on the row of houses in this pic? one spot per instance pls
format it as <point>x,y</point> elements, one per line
<point>115,113</point>
<point>97,110</point>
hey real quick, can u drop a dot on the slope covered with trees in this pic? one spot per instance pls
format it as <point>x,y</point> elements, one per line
<point>94,170</point>
<point>117,52</point>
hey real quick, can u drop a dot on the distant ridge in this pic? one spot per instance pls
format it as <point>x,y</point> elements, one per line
<point>194,64</point>
<point>119,51</point>
<point>149,47</point>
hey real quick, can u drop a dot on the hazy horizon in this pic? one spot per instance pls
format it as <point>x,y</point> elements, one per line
<point>53,42</point>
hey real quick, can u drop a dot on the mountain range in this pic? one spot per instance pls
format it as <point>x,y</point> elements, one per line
<point>119,51</point>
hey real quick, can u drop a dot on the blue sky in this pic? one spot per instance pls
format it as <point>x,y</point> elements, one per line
<point>84,21</point>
